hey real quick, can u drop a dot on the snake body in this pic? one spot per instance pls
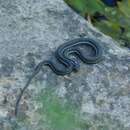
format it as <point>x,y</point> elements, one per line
<point>63,52</point>
<point>70,64</point>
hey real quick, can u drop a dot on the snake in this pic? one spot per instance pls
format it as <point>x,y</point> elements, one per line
<point>62,55</point>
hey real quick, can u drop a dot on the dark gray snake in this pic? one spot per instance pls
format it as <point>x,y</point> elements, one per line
<point>70,64</point>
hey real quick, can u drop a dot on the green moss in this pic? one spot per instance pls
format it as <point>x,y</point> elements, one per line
<point>59,115</point>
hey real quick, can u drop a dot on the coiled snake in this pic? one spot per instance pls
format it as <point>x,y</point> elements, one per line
<point>70,64</point>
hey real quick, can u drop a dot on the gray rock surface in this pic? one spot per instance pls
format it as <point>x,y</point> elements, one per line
<point>30,31</point>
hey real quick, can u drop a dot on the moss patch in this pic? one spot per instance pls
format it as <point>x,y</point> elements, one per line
<point>56,114</point>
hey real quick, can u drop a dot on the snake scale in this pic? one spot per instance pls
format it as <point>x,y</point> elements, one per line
<point>62,55</point>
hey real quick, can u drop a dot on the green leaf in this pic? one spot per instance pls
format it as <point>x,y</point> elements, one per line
<point>124,7</point>
<point>86,6</point>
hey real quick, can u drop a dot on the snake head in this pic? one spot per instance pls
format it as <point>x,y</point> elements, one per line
<point>76,65</point>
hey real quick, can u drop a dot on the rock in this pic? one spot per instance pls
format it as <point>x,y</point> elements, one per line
<point>30,31</point>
